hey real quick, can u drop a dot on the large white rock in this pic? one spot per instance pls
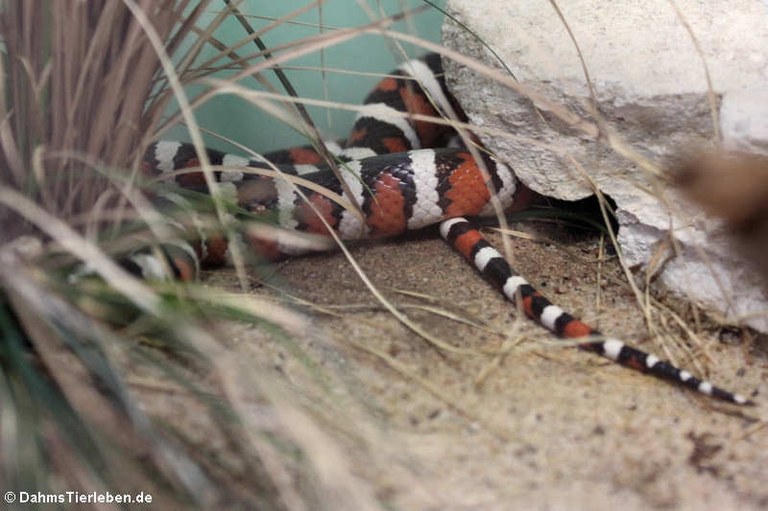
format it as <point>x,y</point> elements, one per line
<point>652,92</point>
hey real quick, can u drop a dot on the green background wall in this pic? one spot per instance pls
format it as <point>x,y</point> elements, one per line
<point>234,118</point>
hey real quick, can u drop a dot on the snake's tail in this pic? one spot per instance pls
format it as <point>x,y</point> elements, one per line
<point>465,238</point>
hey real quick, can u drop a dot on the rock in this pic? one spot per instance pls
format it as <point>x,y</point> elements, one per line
<point>653,98</point>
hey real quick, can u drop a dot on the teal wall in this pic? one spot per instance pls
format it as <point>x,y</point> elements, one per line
<point>235,118</point>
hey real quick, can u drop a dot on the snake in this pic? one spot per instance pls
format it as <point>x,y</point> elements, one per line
<point>396,172</point>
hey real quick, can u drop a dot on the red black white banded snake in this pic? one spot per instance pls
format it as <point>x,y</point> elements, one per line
<point>402,180</point>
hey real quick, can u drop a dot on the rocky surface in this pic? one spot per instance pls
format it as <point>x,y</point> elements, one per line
<point>654,102</point>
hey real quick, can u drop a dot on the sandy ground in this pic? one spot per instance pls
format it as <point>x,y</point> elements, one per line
<point>513,421</point>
